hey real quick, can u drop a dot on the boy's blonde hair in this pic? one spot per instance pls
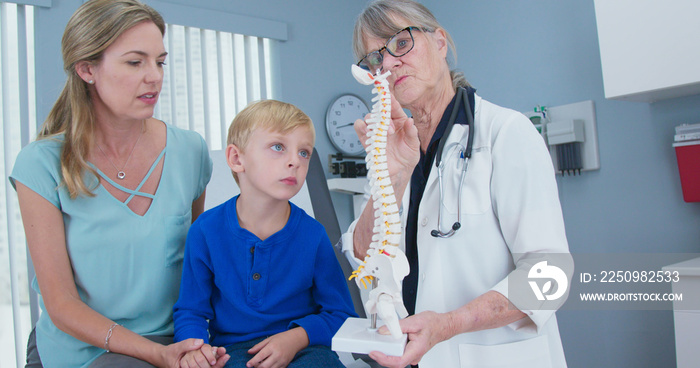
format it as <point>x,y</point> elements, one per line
<point>273,115</point>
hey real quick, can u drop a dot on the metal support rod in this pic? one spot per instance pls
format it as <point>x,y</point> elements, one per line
<point>373,316</point>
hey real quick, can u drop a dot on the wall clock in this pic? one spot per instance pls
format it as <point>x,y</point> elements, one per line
<point>340,118</point>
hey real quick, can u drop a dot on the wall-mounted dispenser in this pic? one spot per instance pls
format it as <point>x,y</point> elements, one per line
<point>687,146</point>
<point>570,131</point>
<point>565,137</point>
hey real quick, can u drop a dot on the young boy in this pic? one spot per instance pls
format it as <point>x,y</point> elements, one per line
<point>260,276</point>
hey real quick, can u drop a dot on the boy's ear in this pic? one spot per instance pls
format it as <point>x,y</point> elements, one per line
<point>233,158</point>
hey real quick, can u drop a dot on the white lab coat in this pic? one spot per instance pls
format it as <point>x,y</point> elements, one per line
<point>510,212</point>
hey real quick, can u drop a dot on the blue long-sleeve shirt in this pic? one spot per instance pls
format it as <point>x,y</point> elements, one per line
<point>236,287</point>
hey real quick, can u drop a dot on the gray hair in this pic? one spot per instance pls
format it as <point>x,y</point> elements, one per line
<point>378,21</point>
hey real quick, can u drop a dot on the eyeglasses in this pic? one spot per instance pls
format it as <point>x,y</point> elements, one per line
<point>397,45</point>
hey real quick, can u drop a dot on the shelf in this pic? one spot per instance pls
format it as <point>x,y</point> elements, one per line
<point>347,185</point>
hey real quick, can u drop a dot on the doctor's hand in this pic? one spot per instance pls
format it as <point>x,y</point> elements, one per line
<point>403,146</point>
<point>424,330</point>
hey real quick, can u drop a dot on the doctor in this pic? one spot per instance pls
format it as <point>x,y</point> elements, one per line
<point>495,221</point>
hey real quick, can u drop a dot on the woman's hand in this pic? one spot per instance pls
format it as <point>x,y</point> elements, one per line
<point>403,146</point>
<point>171,354</point>
<point>424,330</point>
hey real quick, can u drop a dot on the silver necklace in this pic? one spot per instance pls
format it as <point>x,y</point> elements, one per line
<point>120,172</point>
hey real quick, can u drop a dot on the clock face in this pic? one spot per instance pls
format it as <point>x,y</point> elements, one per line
<point>340,119</point>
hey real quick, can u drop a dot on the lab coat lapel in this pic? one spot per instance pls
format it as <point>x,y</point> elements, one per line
<point>458,131</point>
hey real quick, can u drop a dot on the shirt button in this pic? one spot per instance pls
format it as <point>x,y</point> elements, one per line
<point>252,250</point>
<point>424,221</point>
<point>422,276</point>
<point>256,276</point>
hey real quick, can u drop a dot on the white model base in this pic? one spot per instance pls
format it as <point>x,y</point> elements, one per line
<point>356,336</point>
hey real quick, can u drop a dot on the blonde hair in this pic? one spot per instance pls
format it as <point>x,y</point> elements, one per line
<point>90,31</point>
<point>378,21</point>
<point>271,115</point>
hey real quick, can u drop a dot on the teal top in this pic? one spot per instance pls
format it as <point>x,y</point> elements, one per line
<point>127,267</point>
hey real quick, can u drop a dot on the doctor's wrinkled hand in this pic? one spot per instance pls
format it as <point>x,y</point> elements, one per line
<point>424,330</point>
<point>403,146</point>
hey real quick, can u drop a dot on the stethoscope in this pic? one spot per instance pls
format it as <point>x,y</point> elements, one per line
<point>462,95</point>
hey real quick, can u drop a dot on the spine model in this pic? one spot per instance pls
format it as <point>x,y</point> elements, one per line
<point>384,260</point>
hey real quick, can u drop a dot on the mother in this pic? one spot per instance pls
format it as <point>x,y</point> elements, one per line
<point>506,204</point>
<point>107,194</point>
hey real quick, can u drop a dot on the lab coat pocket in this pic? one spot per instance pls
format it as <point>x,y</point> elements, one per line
<point>175,228</point>
<point>530,353</point>
<point>476,197</point>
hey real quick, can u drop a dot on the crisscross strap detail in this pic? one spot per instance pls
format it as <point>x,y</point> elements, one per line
<point>134,192</point>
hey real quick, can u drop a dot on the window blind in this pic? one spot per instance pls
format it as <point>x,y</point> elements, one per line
<point>210,76</point>
<point>18,120</point>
